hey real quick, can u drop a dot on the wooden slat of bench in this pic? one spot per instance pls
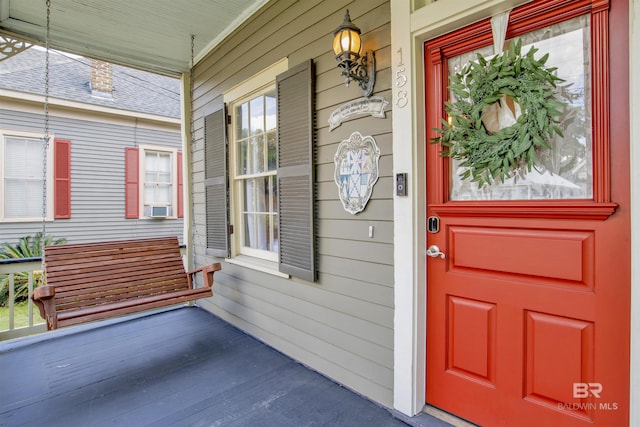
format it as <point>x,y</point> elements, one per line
<point>80,261</point>
<point>114,280</point>
<point>122,291</point>
<point>116,295</point>
<point>142,264</point>
<point>88,270</point>
<point>105,277</point>
<point>88,247</point>
<point>117,282</point>
<point>104,258</point>
<point>80,316</point>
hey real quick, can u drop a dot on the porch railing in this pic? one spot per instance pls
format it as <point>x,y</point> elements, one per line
<point>13,271</point>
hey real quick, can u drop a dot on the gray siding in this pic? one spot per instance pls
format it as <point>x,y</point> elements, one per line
<point>97,178</point>
<point>341,325</point>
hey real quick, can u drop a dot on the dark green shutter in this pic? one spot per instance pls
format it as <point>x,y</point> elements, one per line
<point>295,92</point>
<point>215,184</point>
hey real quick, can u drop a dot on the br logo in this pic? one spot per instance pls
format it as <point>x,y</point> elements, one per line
<point>583,390</point>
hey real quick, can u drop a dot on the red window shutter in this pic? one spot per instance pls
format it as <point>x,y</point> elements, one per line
<point>62,179</point>
<point>180,187</point>
<point>131,196</point>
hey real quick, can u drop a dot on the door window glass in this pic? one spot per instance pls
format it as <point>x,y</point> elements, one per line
<point>565,170</point>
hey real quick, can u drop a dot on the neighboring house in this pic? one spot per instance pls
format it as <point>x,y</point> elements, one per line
<point>518,306</point>
<point>114,159</point>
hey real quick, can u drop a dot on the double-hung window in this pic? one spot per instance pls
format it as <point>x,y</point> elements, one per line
<point>153,177</point>
<point>158,183</point>
<point>259,180</point>
<point>21,171</point>
<point>254,150</point>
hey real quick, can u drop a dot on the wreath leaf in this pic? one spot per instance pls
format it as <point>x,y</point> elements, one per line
<point>511,151</point>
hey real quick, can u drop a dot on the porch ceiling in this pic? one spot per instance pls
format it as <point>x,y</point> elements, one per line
<point>154,35</point>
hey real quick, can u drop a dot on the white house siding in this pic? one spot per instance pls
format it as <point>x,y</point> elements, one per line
<point>97,173</point>
<point>341,325</point>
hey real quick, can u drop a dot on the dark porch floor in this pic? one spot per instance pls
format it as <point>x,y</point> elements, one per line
<point>182,367</point>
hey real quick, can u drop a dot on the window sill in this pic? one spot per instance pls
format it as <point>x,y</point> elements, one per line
<point>25,220</point>
<point>257,264</point>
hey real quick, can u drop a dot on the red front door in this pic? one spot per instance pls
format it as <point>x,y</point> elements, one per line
<point>528,302</point>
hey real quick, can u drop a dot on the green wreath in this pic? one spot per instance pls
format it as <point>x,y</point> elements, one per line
<point>502,153</point>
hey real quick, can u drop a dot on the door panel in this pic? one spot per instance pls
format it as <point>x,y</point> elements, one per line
<point>528,312</point>
<point>563,256</point>
<point>471,339</point>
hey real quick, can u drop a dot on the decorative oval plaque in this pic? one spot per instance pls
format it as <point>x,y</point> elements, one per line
<point>356,171</point>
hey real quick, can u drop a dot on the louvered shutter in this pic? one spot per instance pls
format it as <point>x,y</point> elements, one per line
<point>62,179</point>
<point>295,93</point>
<point>215,152</point>
<point>180,187</point>
<point>131,195</point>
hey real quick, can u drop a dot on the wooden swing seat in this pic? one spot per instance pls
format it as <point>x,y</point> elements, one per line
<point>94,281</point>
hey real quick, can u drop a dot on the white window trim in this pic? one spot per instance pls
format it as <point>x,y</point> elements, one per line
<point>50,168</point>
<point>174,179</point>
<point>255,259</point>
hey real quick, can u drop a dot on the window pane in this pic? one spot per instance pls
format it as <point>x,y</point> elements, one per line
<point>258,216</point>
<point>256,151</point>
<point>151,161</point>
<point>164,163</point>
<point>271,111</point>
<point>243,157</point>
<point>23,165</point>
<point>256,111</point>
<point>23,157</point>
<point>257,232</point>
<point>164,177</point>
<point>274,211</point>
<point>254,195</point>
<point>272,153</point>
<point>163,193</point>
<point>23,198</point>
<point>564,171</point>
<point>149,194</point>
<point>242,121</point>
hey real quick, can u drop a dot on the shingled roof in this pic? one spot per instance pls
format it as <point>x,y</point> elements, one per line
<point>70,76</point>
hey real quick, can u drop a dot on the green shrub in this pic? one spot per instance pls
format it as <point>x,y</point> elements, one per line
<point>27,247</point>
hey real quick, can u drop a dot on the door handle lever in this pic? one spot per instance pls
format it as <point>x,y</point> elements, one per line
<point>434,252</point>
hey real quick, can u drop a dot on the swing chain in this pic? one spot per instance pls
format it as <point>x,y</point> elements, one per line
<point>194,227</point>
<point>46,136</point>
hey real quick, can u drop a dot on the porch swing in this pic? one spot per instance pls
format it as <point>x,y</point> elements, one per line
<point>94,281</point>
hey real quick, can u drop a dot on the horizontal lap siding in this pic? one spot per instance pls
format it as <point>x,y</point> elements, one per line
<point>341,325</point>
<point>97,179</point>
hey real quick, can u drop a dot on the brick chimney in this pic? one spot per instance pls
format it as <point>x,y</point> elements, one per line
<point>101,79</point>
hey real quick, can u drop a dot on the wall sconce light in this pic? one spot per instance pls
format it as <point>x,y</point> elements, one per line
<point>346,46</point>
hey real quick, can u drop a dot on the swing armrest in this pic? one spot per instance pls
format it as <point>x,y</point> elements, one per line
<point>44,292</point>
<point>207,274</point>
<point>43,298</point>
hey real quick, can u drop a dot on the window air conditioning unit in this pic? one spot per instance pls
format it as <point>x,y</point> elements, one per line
<point>160,211</point>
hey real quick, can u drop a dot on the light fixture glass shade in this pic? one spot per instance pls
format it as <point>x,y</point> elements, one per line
<point>346,45</point>
<point>346,42</point>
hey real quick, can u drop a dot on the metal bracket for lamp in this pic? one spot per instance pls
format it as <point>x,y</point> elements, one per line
<point>363,71</point>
